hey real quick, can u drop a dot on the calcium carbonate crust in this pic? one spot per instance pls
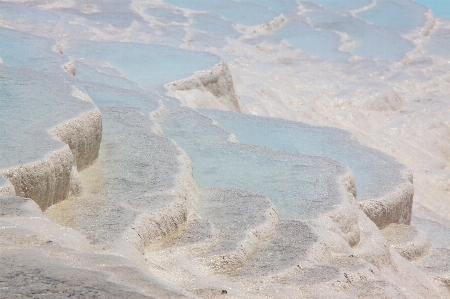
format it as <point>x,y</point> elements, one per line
<point>207,89</point>
<point>6,187</point>
<point>42,257</point>
<point>46,181</point>
<point>83,135</point>
<point>394,207</point>
<point>151,227</point>
<point>55,177</point>
<point>343,220</point>
<point>250,236</point>
<point>345,216</point>
<point>156,128</point>
<point>408,241</point>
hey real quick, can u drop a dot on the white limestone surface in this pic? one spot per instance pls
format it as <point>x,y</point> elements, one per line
<point>408,241</point>
<point>229,225</point>
<point>242,219</point>
<point>298,259</point>
<point>436,264</point>
<point>40,259</point>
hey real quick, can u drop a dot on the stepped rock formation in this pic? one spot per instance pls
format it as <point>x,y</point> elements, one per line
<point>153,149</point>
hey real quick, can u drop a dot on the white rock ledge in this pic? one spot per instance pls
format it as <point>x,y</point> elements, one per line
<point>46,181</point>
<point>240,228</point>
<point>345,216</point>
<point>49,133</point>
<point>207,89</point>
<point>152,226</point>
<point>407,240</point>
<point>140,189</point>
<point>55,177</point>
<point>394,207</point>
<point>83,134</point>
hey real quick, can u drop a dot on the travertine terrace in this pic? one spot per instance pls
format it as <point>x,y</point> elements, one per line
<point>235,149</point>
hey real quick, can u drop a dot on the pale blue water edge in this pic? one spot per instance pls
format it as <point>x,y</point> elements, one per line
<point>249,13</point>
<point>440,8</point>
<point>300,186</point>
<point>151,66</point>
<point>36,102</point>
<point>376,174</point>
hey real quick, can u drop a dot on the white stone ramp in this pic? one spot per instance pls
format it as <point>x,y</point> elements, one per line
<point>139,190</point>
<point>41,259</point>
<point>287,247</point>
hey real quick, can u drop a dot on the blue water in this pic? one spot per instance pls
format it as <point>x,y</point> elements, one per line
<point>318,43</point>
<point>247,14</point>
<point>440,8</point>
<point>14,12</point>
<point>342,5</point>
<point>24,50</point>
<point>373,41</point>
<point>167,15</point>
<point>31,103</point>
<point>151,66</point>
<point>376,174</point>
<point>440,44</point>
<point>385,14</point>
<point>241,12</point>
<point>300,186</point>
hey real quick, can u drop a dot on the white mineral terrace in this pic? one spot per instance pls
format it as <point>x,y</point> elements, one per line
<point>224,149</point>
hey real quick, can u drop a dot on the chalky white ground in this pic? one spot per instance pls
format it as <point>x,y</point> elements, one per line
<point>123,212</point>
